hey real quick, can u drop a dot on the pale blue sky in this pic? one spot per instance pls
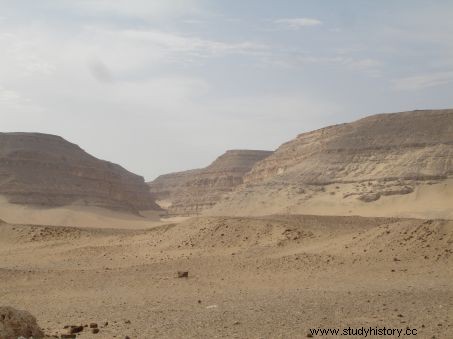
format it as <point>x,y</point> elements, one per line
<point>161,86</point>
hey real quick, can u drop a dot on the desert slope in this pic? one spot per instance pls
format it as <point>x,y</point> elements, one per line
<point>190,192</point>
<point>48,171</point>
<point>266,277</point>
<point>398,164</point>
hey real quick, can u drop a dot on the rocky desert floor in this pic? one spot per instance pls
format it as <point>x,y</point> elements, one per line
<point>263,277</point>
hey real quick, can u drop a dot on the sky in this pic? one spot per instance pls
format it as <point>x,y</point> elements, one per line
<point>162,86</point>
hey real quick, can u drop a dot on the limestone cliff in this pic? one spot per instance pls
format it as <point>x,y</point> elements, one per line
<point>345,168</point>
<point>46,170</point>
<point>190,192</point>
<point>408,145</point>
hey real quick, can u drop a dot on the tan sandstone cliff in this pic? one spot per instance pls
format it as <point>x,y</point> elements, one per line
<point>386,164</point>
<point>46,170</point>
<point>190,192</point>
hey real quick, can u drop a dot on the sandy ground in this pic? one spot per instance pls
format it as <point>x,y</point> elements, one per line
<point>263,277</point>
<point>428,200</point>
<point>81,216</point>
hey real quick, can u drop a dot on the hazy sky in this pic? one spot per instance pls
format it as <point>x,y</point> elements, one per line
<point>166,85</point>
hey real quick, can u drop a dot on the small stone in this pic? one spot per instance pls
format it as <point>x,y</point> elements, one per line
<point>127,322</point>
<point>95,330</point>
<point>76,329</point>
<point>68,336</point>
<point>93,325</point>
<point>183,274</point>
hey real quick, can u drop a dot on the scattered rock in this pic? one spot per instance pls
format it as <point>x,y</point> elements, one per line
<point>183,274</point>
<point>76,329</point>
<point>369,197</point>
<point>95,330</point>
<point>68,336</point>
<point>93,325</point>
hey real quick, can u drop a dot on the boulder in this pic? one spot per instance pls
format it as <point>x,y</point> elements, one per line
<point>17,323</point>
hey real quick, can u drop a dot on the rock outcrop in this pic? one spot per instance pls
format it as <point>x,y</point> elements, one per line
<point>375,157</point>
<point>409,145</point>
<point>190,192</point>
<point>46,170</point>
<point>18,324</point>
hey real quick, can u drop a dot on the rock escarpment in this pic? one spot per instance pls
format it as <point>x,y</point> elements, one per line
<point>46,170</point>
<point>378,156</point>
<point>409,145</point>
<point>190,192</point>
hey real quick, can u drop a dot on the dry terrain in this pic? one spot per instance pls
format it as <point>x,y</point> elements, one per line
<point>398,164</point>
<point>346,226</point>
<point>261,277</point>
<point>191,192</point>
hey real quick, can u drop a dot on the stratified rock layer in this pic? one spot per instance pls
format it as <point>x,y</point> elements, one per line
<point>46,170</point>
<point>408,145</point>
<point>378,156</point>
<point>190,192</point>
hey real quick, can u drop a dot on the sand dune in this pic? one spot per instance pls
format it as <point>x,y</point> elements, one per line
<point>427,200</point>
<point>74,215</point>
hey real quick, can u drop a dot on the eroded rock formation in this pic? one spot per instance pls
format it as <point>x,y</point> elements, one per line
<point>409,145</point>
<point>331,169</point>
<point>190,192</point>
<point>46,170</point>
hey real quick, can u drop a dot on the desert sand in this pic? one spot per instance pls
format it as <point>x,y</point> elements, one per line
<point>255,277</point>
<point>77,216</point>
<point>349,226</point>
<point>427,200</point>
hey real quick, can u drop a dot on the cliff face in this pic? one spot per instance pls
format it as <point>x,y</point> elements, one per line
<point>408,145</point>
<point>378,156</point>
<point>190,192</point>
<point>46,170</point>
